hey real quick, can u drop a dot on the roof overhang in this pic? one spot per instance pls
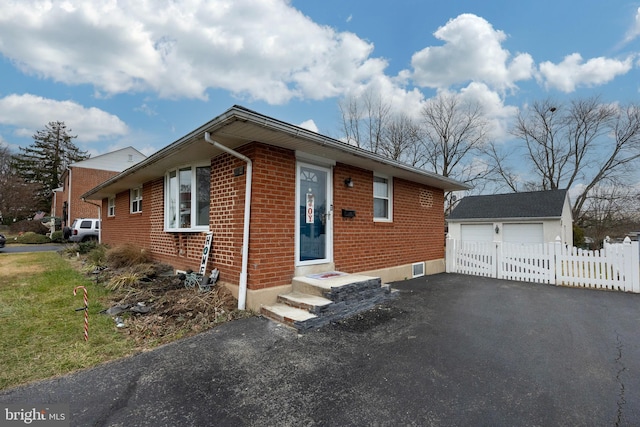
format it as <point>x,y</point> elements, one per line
<point>239,126</point>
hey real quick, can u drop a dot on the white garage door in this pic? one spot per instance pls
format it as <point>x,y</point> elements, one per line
<point>522,233</point>
<point>476,232</point>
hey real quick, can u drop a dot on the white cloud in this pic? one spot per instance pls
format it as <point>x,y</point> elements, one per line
<point>30,113</point>
<point>472,52</point>
<point>309,125</point>
<point>263,50</point>
<point>572,72</point>
<point>499,115</point>
<point>634,31</point>
<point>146,109</point>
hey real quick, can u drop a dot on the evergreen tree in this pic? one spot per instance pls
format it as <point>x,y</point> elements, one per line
<point>44,161</point>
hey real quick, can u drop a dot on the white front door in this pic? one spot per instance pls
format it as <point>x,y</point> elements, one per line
<point>314,226</point>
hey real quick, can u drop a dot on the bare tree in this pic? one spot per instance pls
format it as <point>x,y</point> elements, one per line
<point>455,132</point>
<point>351,120</point>
<point>609,210</point>
<point>503,174</point>
<point>17,197</point>
<point>364,120</point>
<point>455,135</point>
<point>586,142</point>
<point>401,141</point>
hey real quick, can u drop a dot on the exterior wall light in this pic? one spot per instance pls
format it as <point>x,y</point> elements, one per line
<point>497,229</point>
<point>348,182</point>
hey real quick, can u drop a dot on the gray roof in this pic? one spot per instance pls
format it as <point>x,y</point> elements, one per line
<point>238,126</point>
<point>534,204</point>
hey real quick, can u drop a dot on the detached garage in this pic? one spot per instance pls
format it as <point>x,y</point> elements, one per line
<point>524,218</point>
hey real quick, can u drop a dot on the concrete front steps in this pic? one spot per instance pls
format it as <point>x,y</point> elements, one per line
<point>314,302</point>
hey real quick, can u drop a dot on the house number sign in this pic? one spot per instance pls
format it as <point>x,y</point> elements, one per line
<point>310,208</point>
<point>205,253</point>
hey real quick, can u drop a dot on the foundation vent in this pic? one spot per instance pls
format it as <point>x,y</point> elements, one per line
<point>417,269</point>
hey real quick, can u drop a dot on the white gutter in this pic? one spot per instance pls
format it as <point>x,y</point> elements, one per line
<point>242,291</point>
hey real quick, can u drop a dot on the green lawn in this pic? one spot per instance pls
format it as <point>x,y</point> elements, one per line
<point>42,334</point>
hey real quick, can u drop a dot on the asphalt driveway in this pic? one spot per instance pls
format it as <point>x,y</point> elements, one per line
<point>14,249</point>
<point>452,350</point>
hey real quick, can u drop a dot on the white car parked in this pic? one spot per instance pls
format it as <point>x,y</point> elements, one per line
<point>84,229</point>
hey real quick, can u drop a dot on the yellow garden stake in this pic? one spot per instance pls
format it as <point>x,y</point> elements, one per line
<point>86,311</point>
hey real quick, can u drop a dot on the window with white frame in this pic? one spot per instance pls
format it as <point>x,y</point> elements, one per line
<point>382,199</point>
<point>187,198</point>
<point>111,206</point>
<point>135,198</point>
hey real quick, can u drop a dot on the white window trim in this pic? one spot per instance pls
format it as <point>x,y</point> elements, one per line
<point>193,198</point>
<point>389,197</point>
<point>133,199</point>
<point>111,206</point>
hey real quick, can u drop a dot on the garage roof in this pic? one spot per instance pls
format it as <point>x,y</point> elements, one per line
<point>238,126</point>
<point>534,204</point>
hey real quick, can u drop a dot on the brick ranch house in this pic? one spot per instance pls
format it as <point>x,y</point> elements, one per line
<point>315,204</point>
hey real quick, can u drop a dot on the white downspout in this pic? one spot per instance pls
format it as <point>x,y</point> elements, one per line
<point>242,291</point>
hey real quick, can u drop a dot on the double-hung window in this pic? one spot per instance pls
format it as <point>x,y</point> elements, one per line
<point>111,206</point>
<point>187,198</point>
<point>135,198</point>
<point>382,198</point>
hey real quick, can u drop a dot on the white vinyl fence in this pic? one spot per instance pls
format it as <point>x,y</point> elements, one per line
<point>615,267</point>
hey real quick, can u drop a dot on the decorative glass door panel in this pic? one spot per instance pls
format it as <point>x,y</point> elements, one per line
<point>314,216</point>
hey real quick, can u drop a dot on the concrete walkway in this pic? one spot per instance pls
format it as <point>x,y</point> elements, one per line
<point>452,350</point>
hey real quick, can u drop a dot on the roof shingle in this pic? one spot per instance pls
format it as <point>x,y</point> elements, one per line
<point>534,204</point>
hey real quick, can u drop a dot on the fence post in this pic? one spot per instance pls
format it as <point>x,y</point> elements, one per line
<point>450,254</point>
<point>556,259</point>
<point>631,265</point>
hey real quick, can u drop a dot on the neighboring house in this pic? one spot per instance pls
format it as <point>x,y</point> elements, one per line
<point>530,217</point>
<point>82,176</point>
<point>315,205</point>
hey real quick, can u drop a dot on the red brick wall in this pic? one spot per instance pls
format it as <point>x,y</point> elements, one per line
<point>127,227</point>
<point>415,234</point>
<point>59,197</point>
<point>273,216</point>
<point>360,244</point>
<point>82,180</point>
<point>272,225</point>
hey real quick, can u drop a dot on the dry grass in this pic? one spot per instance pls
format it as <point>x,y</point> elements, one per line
<point>126,255</point>
<point>21,263</point>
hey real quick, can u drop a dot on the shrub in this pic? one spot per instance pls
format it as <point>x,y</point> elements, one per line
<point>86,247</point>
<point>26,225</point>
<point>98,255</point>
<point>127,255</point>
<point>32,238</point>
<point>57,237</point>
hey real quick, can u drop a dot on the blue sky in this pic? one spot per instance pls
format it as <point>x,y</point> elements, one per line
<point>145,73</point>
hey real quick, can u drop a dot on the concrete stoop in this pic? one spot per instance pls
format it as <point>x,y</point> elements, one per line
<point>313,303</point>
